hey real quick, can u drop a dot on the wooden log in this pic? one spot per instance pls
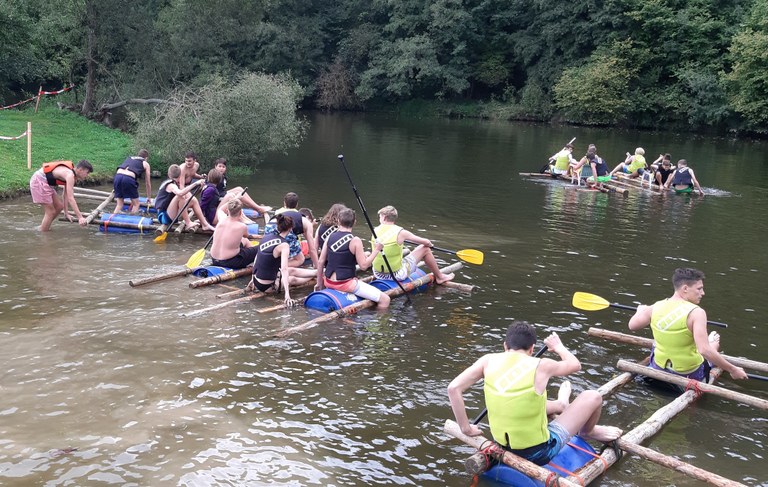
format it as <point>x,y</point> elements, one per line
<point>460,286</point>
<point>642,432</point>
<point>611,386</point>
<point>198,312</point>
<point>637,182</point>
<point>683,382</point>
<point>160,277</point>
<point>366,303</point>
<point>88,197</point>
<point>518,463</point>
<point>226,276</point>
<point>648,343</point>
<point>98,209</point>
<point>677,465</point>
<point>95,192</point>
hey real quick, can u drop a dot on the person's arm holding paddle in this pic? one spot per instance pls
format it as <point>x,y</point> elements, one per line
<point>708,346</point>
<point>456,389</point>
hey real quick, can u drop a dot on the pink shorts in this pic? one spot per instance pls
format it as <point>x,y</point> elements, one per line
<point>42,192</point>
<point>355,286</point>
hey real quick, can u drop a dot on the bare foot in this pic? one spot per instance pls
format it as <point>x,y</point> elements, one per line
<point>209,228</point>
<point>443,278</point>
<point>603,433</point>
<point>564,394</point>
<point>714,340</point>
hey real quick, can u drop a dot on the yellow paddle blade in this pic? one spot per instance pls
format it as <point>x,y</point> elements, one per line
<point>589,302</point>
<point>196,259</point>
<point>161,238</point>
<point>471,255</point>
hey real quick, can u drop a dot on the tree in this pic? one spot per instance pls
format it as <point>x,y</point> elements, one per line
<point>254,114</point>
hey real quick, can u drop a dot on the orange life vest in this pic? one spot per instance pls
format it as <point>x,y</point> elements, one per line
<point>48,168</point>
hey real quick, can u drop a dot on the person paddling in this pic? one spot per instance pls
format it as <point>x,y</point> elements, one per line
<point>171,199</point>
<point>679,326</point>
<point>515,386</point>
<point>43,183</point>
<point>562,161</point>
<point>683,179</point>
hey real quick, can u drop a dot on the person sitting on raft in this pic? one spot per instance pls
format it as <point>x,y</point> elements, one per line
<point>301,226</point>
<point>328,224</point>
<point>633,165</point>
<point>336,268</point>
<point>679,326</point>
<point>516,397</point>
<point>126,183</point>
<point>662,169</point>
<point>683,180</point>
<point>271,270</point>
<point>171,199</point>
<point>42,186</point>
<point>562,161</point>
<point>225,195</point>
<point>393,237</point>
<point>231,246</point>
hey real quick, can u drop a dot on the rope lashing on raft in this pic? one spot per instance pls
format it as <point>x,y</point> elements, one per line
<point>552,480</point>
<point>556,478</point>
<point>693,385</point>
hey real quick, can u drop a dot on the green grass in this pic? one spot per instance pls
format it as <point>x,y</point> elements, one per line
<point>56,134</point>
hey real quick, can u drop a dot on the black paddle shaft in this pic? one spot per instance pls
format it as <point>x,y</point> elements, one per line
<point>485,411</point>
<point>370,225</point>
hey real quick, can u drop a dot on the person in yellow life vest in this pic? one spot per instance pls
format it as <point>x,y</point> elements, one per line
<point>562,161</point>
<point>634,165</point>
<point>392,237</point>
<point>516,398</point>
<point>679,326</point>
<point>42,186</point>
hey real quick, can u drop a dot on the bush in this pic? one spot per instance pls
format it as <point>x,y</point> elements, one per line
<point>240,121</point>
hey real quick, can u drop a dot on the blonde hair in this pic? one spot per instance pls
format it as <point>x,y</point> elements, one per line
<point>640,151</point>
<point>389,213</point>
<point>235,206</point>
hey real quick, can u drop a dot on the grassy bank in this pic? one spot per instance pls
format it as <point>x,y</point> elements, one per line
<point>56,134</point>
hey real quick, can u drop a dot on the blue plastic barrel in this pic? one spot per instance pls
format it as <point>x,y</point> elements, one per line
<point>329,300</point>
<point>387,284</point>
<point>143,224</point>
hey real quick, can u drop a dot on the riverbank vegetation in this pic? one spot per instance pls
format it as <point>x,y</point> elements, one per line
<point>692,64</point>
<point>56,135</point>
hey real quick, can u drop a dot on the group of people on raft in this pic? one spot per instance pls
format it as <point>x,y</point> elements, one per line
<point>680,178</point>
<point>515,382</point>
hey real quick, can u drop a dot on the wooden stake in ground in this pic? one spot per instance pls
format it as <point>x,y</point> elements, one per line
<point>29,145</point>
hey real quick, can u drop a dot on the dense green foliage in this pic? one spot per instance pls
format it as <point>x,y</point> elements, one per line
<point>56,135</point>
<point>694,64</point>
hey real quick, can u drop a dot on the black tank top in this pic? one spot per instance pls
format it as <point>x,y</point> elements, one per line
<point>135,165</point>
<point>267,265</point>
<point>682,177</point>
<point>340,259</point>
<point>163,198</point>
<point>323,233</point>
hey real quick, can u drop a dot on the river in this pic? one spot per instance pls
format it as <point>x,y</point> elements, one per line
<point>108,384</point>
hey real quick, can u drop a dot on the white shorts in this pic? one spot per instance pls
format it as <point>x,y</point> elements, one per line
<point>559,171</point>
<point>409,265</point>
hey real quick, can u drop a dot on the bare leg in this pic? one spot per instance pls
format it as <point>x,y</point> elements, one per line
<point>51,212</point>
<point>714,340</point>
<point>425,253</point>
<point>563,399</point>
<point>119,203</point>
<point>135,205</point>
<point>195,205</point>
<point>581,417</point>
<point>296,260</point>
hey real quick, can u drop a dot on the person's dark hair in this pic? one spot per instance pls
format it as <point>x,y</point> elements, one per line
<point>143,153</point>
<point>218,161</point>
<point>521,335</point>
<point>284,223</point>
<point>190,155</point>
<point>332,217</point>
<point>347,218</point>
<point>214,176</point>
<point>307,213</point>
<point>667,157</point>
<point>85,165</point>
<point>686,275</point>
<point>291,200</point>
<point>569,146</point>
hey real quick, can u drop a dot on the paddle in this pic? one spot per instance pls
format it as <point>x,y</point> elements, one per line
<point>467,255</point>
<point>370,225</point>
<point>757,377</point>
<point>161,238</point>
<point>546,166</point>
<point>592,302</point>
<point>197,258</point>
<point>485,411</point>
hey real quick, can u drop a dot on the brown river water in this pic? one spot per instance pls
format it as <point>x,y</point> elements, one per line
<point>104,384</point>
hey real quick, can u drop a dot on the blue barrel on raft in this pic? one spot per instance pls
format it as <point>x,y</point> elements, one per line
<point>253,228</point>
<point>329,300</point>
<point>142,206</point>
<point>251,213</point>
<point>210,271</point>
<point>139,224</point>
<point>569,459</point>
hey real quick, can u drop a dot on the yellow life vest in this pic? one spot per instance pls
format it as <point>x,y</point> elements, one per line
<point>562,159</point>
<point>675,347</point>
<point>517,414</point>
<point>638,162</point>
<point>387,235</point>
